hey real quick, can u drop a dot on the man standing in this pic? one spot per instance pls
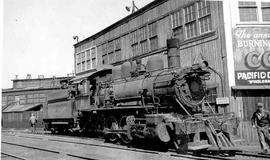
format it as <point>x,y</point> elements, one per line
<point>261,121</point>
<point>33,121</point>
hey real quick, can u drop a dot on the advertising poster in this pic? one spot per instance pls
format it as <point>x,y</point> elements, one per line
<point>251,47</point>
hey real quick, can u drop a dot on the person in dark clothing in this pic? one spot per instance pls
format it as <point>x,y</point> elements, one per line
<point>261,121</point>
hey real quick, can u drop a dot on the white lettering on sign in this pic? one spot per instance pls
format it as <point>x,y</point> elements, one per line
<point>253,75</point>
<point>222,100</point>
<point>253,43</point>
<point>259,81</point>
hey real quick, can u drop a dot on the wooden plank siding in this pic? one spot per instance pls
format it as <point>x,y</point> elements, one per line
<point>250,99</point>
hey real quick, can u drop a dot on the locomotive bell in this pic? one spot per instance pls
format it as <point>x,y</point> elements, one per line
<point>204,65</point>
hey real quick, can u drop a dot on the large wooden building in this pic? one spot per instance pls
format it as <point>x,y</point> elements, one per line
<point>206,30</point>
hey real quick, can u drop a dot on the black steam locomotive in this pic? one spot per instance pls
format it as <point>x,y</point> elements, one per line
<point>133,102</point>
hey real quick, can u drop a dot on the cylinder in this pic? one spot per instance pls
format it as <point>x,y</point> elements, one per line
<point>173,56</point>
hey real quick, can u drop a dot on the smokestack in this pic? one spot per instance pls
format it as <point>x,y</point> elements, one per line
<point>173,56</point>
<point>28,76</point>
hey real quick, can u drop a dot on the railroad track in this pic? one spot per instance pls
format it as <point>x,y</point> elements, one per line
<point>5,155</point>
<point>99,143</point>
<point>38,150</point>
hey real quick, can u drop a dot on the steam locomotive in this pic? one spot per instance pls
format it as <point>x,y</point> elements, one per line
<point>132,103</point>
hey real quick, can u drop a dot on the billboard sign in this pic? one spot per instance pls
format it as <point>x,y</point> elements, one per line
<point>251,47</point>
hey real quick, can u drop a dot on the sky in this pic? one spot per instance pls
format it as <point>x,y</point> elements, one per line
<point>37,34</point>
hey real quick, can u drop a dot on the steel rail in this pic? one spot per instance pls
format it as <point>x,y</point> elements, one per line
<point>14,156</point>
<point>48,150</point>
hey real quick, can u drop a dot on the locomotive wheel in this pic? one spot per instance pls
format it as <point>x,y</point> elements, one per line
<point>126,138</point>
<point>99,126</point>
<point>181,144</point>
<point>125,124</point>
<point>112,124</point>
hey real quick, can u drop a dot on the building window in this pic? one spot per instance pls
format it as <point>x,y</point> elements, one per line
<point>248,11</point>
<point>204,16</point>
<point>135,49</point>
<point>190,13</point>
<point>88,64</point>
<point>117,49</point>
<point>22,99</point>
<point>205,24</point>
<point>143,40</point>
<point>4,99</point>
<point>83,66</point>
<point>111,57</point>
<point>78,68</point>
<point>104,54</point>
<point>191,29</point>
<point>177,25</point>
<point>110,49</point>
<point>265,7</point>
<point>152,30</point>
<point>190,21</point>
<point>88,60</point>
<point>134,43</point>
<point>94,57</point>
<point>30,99</point>
<point>83,61</point>
<point>11,98</point>
<point>79,61</point>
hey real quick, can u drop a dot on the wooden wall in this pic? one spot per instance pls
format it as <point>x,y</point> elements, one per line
<point>246,102</point>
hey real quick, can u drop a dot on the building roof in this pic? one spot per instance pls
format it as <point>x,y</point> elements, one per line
<point>22,108</point>
<point>28,89</point>
<point>40,79</point>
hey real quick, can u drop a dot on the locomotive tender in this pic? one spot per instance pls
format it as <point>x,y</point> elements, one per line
<point>129,103</point>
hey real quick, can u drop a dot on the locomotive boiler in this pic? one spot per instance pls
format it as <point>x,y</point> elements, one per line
<point>132,102</point>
